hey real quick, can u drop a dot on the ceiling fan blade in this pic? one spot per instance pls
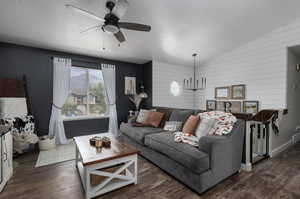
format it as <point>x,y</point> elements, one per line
<point>84,12</point>
<point>90,29</point>
<point>120,37</point>
<point>121,8</point>
<point>135,26</point>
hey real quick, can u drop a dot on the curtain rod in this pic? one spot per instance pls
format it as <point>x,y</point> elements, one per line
<point>78,60</point>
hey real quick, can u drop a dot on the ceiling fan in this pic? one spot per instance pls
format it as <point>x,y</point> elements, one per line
<point>111,23</point>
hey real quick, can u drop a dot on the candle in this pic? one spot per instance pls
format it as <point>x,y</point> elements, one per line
<point>98,142</point>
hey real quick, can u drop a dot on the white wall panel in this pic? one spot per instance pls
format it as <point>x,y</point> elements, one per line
<point>163,75</point>
<point>260,64</point>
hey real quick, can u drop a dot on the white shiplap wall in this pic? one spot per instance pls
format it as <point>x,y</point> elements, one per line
<point>163,75</point>
<point>260,64</point>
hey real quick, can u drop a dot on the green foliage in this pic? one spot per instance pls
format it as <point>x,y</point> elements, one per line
<point>70,108</point>
<point>100,107</point>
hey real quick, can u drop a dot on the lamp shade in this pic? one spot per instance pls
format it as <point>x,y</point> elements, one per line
<point>143,95</point>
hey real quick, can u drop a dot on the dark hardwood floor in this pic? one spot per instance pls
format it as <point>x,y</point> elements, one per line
<point>271,179</point>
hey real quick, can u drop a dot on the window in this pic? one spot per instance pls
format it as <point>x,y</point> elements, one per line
<point>87,97</point>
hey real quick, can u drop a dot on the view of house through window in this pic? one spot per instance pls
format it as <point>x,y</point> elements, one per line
<point>87,95</point>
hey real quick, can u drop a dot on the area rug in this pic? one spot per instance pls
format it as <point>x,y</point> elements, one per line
<point>61,153</point>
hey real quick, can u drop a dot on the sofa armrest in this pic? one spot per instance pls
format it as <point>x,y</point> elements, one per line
<point>225,151</point>
<point>219,149</point>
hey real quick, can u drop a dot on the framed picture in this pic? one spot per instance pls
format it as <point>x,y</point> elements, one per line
<point>250,106</point>
<point>130,85</point>
<point>238,91</point>
<point>233,106</point>
<point>211,105</point>
<point>222,92</point>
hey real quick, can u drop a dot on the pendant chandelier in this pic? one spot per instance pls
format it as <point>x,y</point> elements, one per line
<point>192,83</point>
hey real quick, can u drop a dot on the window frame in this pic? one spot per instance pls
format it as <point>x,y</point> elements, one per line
<point>88,117</point>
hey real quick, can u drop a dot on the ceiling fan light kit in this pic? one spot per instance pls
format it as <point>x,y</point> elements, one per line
<point>110,29</point>
<point>111,23</point>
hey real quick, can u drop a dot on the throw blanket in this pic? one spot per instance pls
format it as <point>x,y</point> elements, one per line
<point>277,118</point>
<point>23,132</point>
<point>186,138</point>
<point>223,126</point>
<point>225,122</point>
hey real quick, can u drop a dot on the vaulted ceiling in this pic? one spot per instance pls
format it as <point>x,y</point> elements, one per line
<point>179,28</point>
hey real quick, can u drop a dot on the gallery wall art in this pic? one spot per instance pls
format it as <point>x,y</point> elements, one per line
<point>130,85</point>
<point>222,92</point>
<point>238,91</point>
<point>230,99</point>
<point>250,106</point>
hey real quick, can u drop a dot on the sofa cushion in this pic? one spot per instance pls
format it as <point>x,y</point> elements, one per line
<point>138,133</point>
<point>180,115</point>
<point>186,155</point>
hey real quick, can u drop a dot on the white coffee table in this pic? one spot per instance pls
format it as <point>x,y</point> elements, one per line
<point>117,165</point>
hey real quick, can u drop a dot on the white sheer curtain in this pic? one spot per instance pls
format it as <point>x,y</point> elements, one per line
<point>109,77</point>
<point>61,88</point>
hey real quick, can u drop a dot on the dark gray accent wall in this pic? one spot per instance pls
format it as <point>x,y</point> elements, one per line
<point>36,64</point>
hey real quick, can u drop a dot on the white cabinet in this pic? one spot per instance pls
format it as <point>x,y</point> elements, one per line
<point>6,167</point>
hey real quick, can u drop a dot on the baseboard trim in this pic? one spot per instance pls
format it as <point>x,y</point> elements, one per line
<point>246,167</point>
<point>282,148</point>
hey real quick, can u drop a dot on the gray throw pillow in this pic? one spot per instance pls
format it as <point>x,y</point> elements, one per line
<point>181,115</point>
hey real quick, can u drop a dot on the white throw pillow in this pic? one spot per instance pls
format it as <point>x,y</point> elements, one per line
<point>143,114</point>
<point>205,126</point>
<point>13,107</point>
<point>173,126</point>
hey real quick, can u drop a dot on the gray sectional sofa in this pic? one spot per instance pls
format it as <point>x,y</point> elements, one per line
<point>216,158</point>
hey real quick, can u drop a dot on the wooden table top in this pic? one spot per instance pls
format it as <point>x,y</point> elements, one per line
<point>90,155</point>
